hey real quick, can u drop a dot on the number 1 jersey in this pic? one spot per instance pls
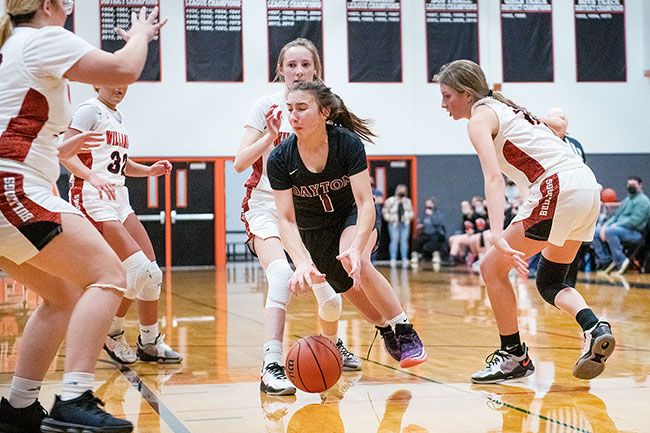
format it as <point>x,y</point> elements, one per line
<point>109,159</point>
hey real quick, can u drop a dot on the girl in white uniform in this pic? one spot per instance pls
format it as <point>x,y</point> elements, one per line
<point>298,61</point>
<point>45,243</point>
<point>101,172</point>
<point>559,214</point>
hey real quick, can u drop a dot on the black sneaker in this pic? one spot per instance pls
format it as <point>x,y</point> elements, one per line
<point>599,345</point>
<point>390,342</point>
<point>28,418</point>
<point>83,414</point>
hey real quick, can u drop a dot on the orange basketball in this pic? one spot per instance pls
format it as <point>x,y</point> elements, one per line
<point>314,364</point>
<point>608,195</point>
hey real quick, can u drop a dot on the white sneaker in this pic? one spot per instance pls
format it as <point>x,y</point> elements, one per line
<point>621,269</point>
<point>158,351</point>
<point>118,349</point>
<point>351,362</point>
<point>598,347</point>
<point>274,380</point>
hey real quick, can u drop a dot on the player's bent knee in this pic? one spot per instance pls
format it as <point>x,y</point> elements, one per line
<point>551,279</point>
<point>330,309</point>
<point>150,290</point>
<point>278,273</point>
<point>137,273</point>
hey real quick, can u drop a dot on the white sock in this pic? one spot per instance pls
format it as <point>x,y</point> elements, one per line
<point>400,318</point>
<point>117,327</point>
<point>272,352</point>
<point>75,384</point>
<point>23,392</point>
<point>148,333</point>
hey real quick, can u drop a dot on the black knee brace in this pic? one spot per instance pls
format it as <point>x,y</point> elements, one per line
<point>551,279</point>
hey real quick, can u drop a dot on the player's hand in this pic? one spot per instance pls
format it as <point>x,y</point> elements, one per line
<point>514,258</point>
<point>142,24</point>
<point>273,120</point>
<point>102,186</point>
<point>80,142</point>
<point>304,277</point>
<point>351,258</point>
<point>160,167</point>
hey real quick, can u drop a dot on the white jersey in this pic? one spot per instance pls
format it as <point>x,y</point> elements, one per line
<point>527,149</point>
<point>34,101</point>
<point>258,185</point>
<point>109,159</point>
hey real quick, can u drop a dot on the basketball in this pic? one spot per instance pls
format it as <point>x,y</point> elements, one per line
<point>608,195</point>
<point>314,364</point>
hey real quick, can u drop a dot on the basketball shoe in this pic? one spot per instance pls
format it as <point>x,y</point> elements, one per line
<point>599,345</point>
<point>390,342</point>
<point>118,349</point>
<point>158,352</point>
<point>502,366</point>
<point>413,351</point>
<point>25,420</point>
<point>351,362</point>
<point>83,414</point>
<point>274,380</point>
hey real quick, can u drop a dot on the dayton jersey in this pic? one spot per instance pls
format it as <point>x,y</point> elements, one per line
<point>109,159</point>
<point>320,199</point>
<point>257,185</point>
<point>34,104</point>
<point>527,149</point>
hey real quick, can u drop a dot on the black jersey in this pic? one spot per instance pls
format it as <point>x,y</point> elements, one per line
<point>320,199</point>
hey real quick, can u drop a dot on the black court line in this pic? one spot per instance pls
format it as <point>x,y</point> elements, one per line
<point>601,281</point>
<point>150,397</point>
<point>408,373</point>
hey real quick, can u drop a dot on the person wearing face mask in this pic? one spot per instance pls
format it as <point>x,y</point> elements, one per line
<point>626,225</point>
<point>398,213</point>
<point>431,234</point>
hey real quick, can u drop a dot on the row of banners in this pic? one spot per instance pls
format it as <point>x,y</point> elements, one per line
<point>213,37</point>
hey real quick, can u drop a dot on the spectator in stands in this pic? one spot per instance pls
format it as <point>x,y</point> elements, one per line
<point>398,213</point>
<point>626,225</point>
<point>431,239</point>
<point>460,241</point>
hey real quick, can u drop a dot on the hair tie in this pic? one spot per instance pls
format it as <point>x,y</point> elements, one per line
<point>489,95</point>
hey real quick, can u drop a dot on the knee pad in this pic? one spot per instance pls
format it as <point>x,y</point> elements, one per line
<point>329,302</point>
<point>120,290</point>
<point>278,273</point>
<point>551,279</point>
<point>137,273</point>
<point>150,291</point>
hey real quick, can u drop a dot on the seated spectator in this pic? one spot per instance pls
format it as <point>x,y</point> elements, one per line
<point>460,242</point>
<point>626,225</point>
<point>430,242</point>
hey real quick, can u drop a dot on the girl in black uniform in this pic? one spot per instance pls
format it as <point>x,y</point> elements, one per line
<point>327,216</point>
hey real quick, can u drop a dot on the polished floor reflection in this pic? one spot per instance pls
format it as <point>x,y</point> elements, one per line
<point>215,320</point>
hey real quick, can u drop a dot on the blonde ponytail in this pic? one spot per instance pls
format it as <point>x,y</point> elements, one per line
<point>6,28</point>
<point>17,12</point>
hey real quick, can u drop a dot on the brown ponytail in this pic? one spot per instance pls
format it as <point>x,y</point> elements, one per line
<point>339,114</point>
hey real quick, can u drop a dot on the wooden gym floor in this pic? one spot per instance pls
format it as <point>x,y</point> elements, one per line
<point>215,320</point>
